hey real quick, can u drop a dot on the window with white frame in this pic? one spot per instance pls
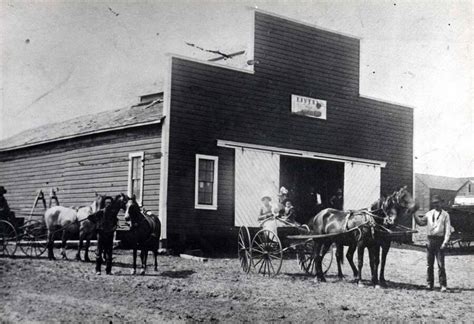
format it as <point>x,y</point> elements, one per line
<point>135,175</point>
<point>206,182</point>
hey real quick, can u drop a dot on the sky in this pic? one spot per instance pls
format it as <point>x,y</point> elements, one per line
<point>63,59</point>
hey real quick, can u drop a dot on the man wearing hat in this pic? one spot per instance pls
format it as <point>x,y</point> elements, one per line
<point>438,230</point>
<point>5,212</point>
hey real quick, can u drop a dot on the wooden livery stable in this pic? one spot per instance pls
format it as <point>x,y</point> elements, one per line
<point>226,136</point>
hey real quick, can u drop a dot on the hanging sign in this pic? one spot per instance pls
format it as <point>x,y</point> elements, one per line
<point>310,107</point>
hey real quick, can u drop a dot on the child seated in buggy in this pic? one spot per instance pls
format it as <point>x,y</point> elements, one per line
<point>282,214</point>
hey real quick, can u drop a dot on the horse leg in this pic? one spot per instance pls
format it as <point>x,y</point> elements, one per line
<point>318,259</point>
<point>339,259</point>
<point>79,247</point>
<point>50,246</point>
<point>86,250</point>
<point>385,248</point>
<point>350,259</point>
<point>373,251</point>
<point>376,265</point>
<point>108,253</point>
<point>134,270</point>
<point>143,257</point>
<point>360,257</point>
<point>63,245</point>
<point>155,254</point>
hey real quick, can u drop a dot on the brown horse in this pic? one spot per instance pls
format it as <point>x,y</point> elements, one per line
<point>400,205</point>
<point>357,229</point>
<point>144,234</point>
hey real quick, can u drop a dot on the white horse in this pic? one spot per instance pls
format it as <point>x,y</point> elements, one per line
<point>66,220</point>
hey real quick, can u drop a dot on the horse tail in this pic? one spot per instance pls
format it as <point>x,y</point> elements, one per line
<point>157,229</point>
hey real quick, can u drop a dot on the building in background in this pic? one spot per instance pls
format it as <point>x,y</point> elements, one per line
<point>427,185</point>
<point>220,138</point>
<point>465,194</point>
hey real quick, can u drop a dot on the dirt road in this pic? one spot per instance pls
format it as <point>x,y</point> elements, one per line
<point>41,290</point>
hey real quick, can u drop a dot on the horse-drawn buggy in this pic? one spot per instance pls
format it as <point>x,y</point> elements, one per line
<point>30,237</point>
<point>266,249</point>
<point>374,228</point>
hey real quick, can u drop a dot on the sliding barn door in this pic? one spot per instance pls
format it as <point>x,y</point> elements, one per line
<point>361,185</point>
<point>257,174</point>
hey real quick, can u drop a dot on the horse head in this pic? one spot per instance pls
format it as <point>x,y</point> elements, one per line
<point>121,201</point>
<point>399,204</point>
<point>132,209</point>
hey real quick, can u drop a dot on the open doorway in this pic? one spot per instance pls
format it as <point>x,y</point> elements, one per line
<point>305,179</point>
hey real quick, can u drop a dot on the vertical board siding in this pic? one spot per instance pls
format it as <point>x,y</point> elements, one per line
<point>210,103</point>
<point>80,167</point>
<point>361,185</point>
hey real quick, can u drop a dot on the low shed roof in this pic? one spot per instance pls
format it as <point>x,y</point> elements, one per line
<point>110,120</point>
<point>440,182</point>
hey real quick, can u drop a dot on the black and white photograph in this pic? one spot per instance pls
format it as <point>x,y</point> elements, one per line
<point>236,161</point>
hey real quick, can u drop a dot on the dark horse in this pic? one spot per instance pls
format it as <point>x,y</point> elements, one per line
<point>87,228</point>
<point>361,229</point>
<point>144,234</point>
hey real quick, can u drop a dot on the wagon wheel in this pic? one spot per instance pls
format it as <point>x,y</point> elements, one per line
<point>307,261</point>
<point>8,239</point>
<point>244,249</point>
<point>266,253</point>
<point>34,238</point>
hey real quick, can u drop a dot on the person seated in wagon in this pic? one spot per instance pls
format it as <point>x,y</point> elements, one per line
<point>281,214</point>
<point>5,212</point>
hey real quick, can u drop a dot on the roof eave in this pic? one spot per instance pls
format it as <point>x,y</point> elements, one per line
<point>105,130</point>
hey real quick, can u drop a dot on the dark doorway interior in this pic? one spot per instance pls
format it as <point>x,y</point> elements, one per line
<point>304,178</point>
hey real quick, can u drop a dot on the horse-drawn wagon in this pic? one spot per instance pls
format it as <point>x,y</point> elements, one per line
<point>374,228</point>
<point>462,220</point>
<point>265,251</point>
<point>29,237</point>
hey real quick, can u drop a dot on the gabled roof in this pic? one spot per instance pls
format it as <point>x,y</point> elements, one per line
<point>138,115</point>
<point>440,182</point>
<point>469,180</point>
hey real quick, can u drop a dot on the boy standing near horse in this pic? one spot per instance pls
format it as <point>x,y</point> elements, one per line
<point>106,220</point>
<point>439,230</point>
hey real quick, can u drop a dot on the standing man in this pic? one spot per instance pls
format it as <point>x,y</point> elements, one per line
<point>438,230</point>
<point>106,220</point>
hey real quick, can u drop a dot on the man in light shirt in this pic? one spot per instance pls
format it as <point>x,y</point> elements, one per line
<point>439,230</point>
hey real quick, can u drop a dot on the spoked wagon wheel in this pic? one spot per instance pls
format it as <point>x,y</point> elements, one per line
<point>307,261</point>
<point>8,239</point>
<point>244,249</point>
<point>266,253</point>
<point>34,238</point>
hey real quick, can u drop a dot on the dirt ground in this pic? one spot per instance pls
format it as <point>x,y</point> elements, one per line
<point>186,290</point>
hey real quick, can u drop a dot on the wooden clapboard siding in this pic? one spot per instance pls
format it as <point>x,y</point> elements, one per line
<point>81,166</point>
<point>210,103</point>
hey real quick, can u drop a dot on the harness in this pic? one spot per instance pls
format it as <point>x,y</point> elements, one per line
<point>368,220</point>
